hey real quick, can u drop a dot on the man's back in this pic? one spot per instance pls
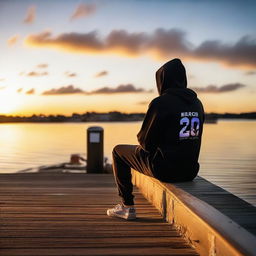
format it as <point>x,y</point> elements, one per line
<point>172,129</point>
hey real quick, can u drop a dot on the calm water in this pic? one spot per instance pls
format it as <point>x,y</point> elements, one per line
<point>228,155</point>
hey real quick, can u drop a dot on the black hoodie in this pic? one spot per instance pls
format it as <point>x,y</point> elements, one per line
<point>172,129</point>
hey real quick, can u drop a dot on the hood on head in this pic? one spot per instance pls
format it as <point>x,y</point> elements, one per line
<point>171,75</point>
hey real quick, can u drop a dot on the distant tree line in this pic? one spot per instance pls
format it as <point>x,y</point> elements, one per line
<point>114,116</point>
<point>248,115</point>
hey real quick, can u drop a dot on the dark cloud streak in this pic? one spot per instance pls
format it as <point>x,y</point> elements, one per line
<point>162,43</point>
<point>31,15</point>
<point>215,89</point>
<point>35,74</point>
<point>102,73</point>
<point>83,10</point>
<point>70,89</point>
<point>30,92</point>
<point>242,52</point>
<point>42,65</point>
<point>127,88</point>
<point>70,74</point>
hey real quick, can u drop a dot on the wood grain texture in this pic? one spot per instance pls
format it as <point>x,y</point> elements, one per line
<point>65,214</point>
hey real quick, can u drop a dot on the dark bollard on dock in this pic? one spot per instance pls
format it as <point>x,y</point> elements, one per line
<point>95,152</point>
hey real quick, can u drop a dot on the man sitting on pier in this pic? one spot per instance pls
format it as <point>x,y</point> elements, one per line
<point>170,138</point>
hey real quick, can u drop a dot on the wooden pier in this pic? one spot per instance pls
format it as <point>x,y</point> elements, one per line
<point>65,214</point>
<point>215,221</point>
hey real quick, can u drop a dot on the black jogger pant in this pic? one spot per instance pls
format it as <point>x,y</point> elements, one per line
<point>126,157</point>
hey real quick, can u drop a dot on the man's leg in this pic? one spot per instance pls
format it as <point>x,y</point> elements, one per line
<point>126,157</point>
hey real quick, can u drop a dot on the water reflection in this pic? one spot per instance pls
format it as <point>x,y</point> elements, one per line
<point>228,156</point>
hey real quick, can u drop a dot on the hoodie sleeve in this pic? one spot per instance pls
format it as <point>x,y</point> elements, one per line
<point>149,134</point>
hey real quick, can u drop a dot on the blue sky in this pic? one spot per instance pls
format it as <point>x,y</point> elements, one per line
<point>133,55</point>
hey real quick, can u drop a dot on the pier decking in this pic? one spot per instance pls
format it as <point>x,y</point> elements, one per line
<point>65,214</point>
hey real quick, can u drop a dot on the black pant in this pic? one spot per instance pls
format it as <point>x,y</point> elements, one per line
<point>126,157</point>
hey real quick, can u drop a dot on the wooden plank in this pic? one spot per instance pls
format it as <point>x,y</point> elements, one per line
<point>20,242</point>
<point>37,233</point>
<point>65,214</point>
<point>124,251</point>
<point>96,209</point>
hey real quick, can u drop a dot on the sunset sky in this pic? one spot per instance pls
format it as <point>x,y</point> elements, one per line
<point>61,57</point>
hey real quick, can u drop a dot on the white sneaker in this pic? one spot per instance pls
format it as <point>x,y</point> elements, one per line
<point>128,213</point>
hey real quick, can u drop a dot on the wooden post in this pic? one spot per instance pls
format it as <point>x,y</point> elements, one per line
<point>95,149</point>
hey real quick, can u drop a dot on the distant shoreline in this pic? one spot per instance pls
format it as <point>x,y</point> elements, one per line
<point>108,117</point>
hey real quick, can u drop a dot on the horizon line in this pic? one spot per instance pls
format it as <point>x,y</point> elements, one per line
<point>114,111</point>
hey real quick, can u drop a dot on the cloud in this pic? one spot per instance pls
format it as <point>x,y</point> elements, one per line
<point>83,10</point>
<point>161,43</point>
<point>70,74</point>
<point>127,88</point>
<point>31,15</point>
<point>242,52</point>
<point>221,89</point>
<point>13,40</point>
<point>31,91</point>
<point>70,89</point>
<point>250,73</point>
<point>34,73</point>
<point>76,42</point>
<point>102,73</point>
<point>19,90</point>
<point>42,65</point>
